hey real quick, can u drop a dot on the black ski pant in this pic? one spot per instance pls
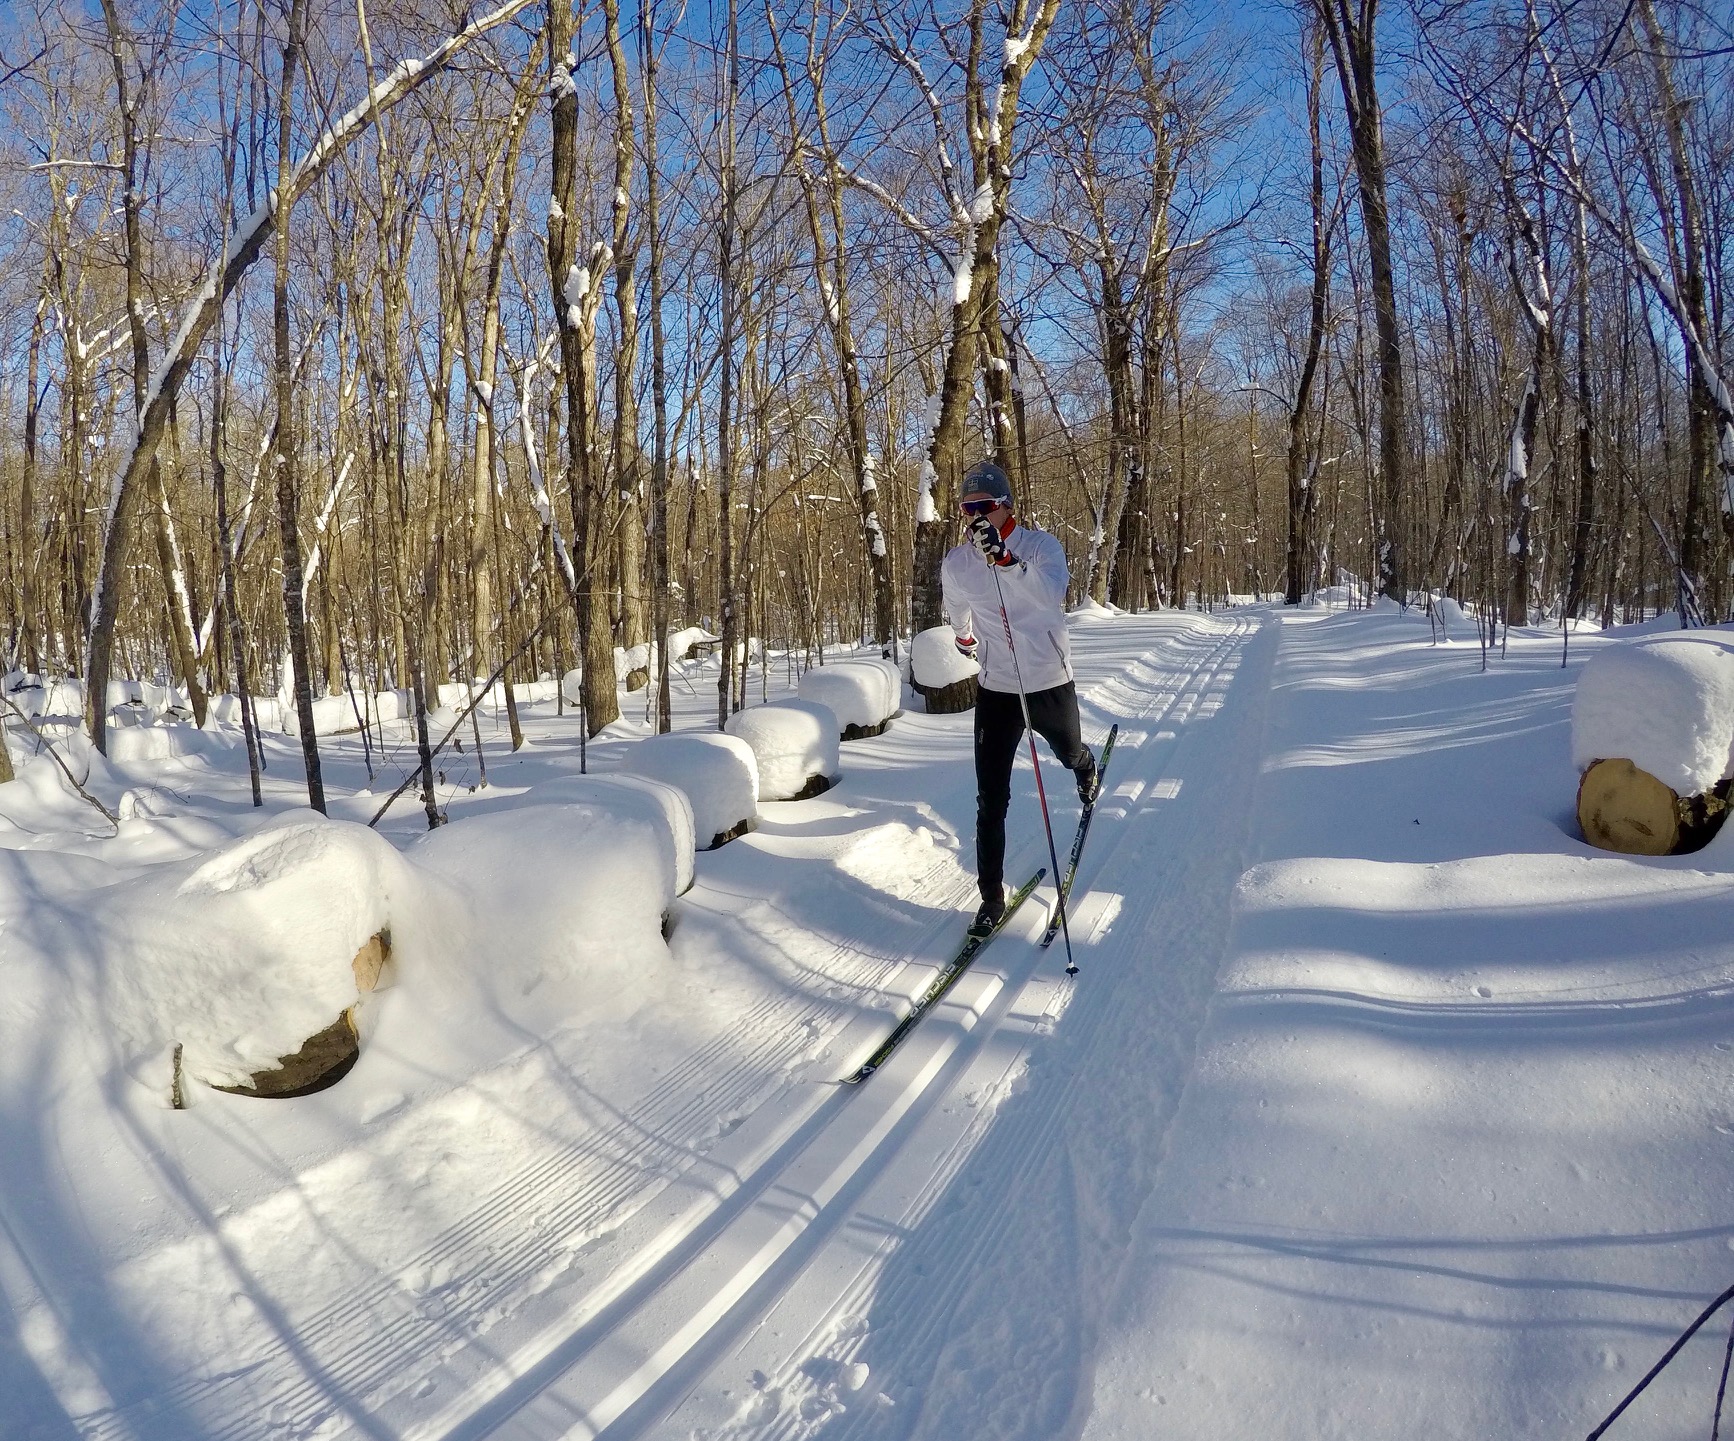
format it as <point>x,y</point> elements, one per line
<point>999,727</point>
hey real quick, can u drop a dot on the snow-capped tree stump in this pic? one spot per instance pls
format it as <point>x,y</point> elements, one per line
<point>941,676</point>
<point>863,694</point>
<point>1652,731</point>
<point>718,773</point>
<point>951,699</point>
<point>1622,808</point>
<point>795,743</point>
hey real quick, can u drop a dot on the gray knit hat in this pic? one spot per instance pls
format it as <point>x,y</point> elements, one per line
<point>986,478</point>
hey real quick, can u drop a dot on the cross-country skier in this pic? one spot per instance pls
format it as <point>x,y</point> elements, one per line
<point>1030,566</point>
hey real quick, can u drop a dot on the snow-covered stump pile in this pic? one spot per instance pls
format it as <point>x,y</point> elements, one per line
<point>795,743</point>
<point>639,799</point>
<point>247,965</point>
<point>719,775</point>
<point>690,643</point>
<point>945,679</point>
<point>1652,728</point>
<point>863,694</point>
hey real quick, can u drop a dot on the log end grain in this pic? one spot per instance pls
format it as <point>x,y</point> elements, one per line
<point>1622,808</point>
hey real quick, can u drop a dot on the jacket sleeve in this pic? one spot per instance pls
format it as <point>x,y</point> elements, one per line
<point>1045,571</point>
<point>951,600</point>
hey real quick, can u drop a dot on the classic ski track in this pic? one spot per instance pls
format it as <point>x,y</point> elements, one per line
<point>375,1327</point>
<point>988,1055</point>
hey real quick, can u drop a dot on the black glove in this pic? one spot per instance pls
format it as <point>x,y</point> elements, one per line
<point>984,536</point>
<point>965,646</point>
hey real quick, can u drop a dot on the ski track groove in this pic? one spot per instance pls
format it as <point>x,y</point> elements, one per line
<point>663,1134</point>
<point>988,1048</point>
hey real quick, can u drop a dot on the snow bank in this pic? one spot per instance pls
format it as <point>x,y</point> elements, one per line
<point>718,773</point>
<point>793,741</point>
<point>1665,703</point>
<point>638,798</point>
<point>129,745</point>
<point>456,696</point>
<point>863,693</point>
<point>37,695</point>
<point>331,714</point>
<point>239,955</point>
<point>1089,609</point>
<point>935,660</point>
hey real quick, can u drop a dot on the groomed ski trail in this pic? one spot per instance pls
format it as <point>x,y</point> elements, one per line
<point>947,1288</point>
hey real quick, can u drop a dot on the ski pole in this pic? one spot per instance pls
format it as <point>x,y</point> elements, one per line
<point>1041,790</point>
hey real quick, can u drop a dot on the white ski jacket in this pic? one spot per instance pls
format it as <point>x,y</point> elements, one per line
<point>1034,586</point>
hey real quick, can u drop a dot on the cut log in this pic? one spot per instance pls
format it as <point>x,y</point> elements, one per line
<point>815,786</point>
<point>370,963</point>
<point>326,1058</point>
<point>950,699</point>
<point>1622,808</point>
<point>322,1062</point>
<point>734,832</point>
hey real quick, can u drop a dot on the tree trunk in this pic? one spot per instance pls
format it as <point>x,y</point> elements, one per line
<point>295,618</point>
<point>1302,478</point>
<point>660,619</point>
<point>1352,45</point>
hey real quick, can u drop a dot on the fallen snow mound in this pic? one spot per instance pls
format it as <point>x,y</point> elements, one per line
<point>718,773</point>
<point>239,955</point>
<point>862,693</point>
<point>793,742</point>
<point>934,659</point>
<point>639,798</point>
<point>1665,703</point>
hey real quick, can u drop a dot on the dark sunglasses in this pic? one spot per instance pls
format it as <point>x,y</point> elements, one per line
<point>980,507</point>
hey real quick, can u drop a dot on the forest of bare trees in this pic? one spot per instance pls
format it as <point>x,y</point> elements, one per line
<point>357,349</point>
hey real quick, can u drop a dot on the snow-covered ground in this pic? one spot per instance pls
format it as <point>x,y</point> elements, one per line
<point>1382,1106</point>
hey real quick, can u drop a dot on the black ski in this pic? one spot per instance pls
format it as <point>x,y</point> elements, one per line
<point>1078,840</point>
<point>943,982</point>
